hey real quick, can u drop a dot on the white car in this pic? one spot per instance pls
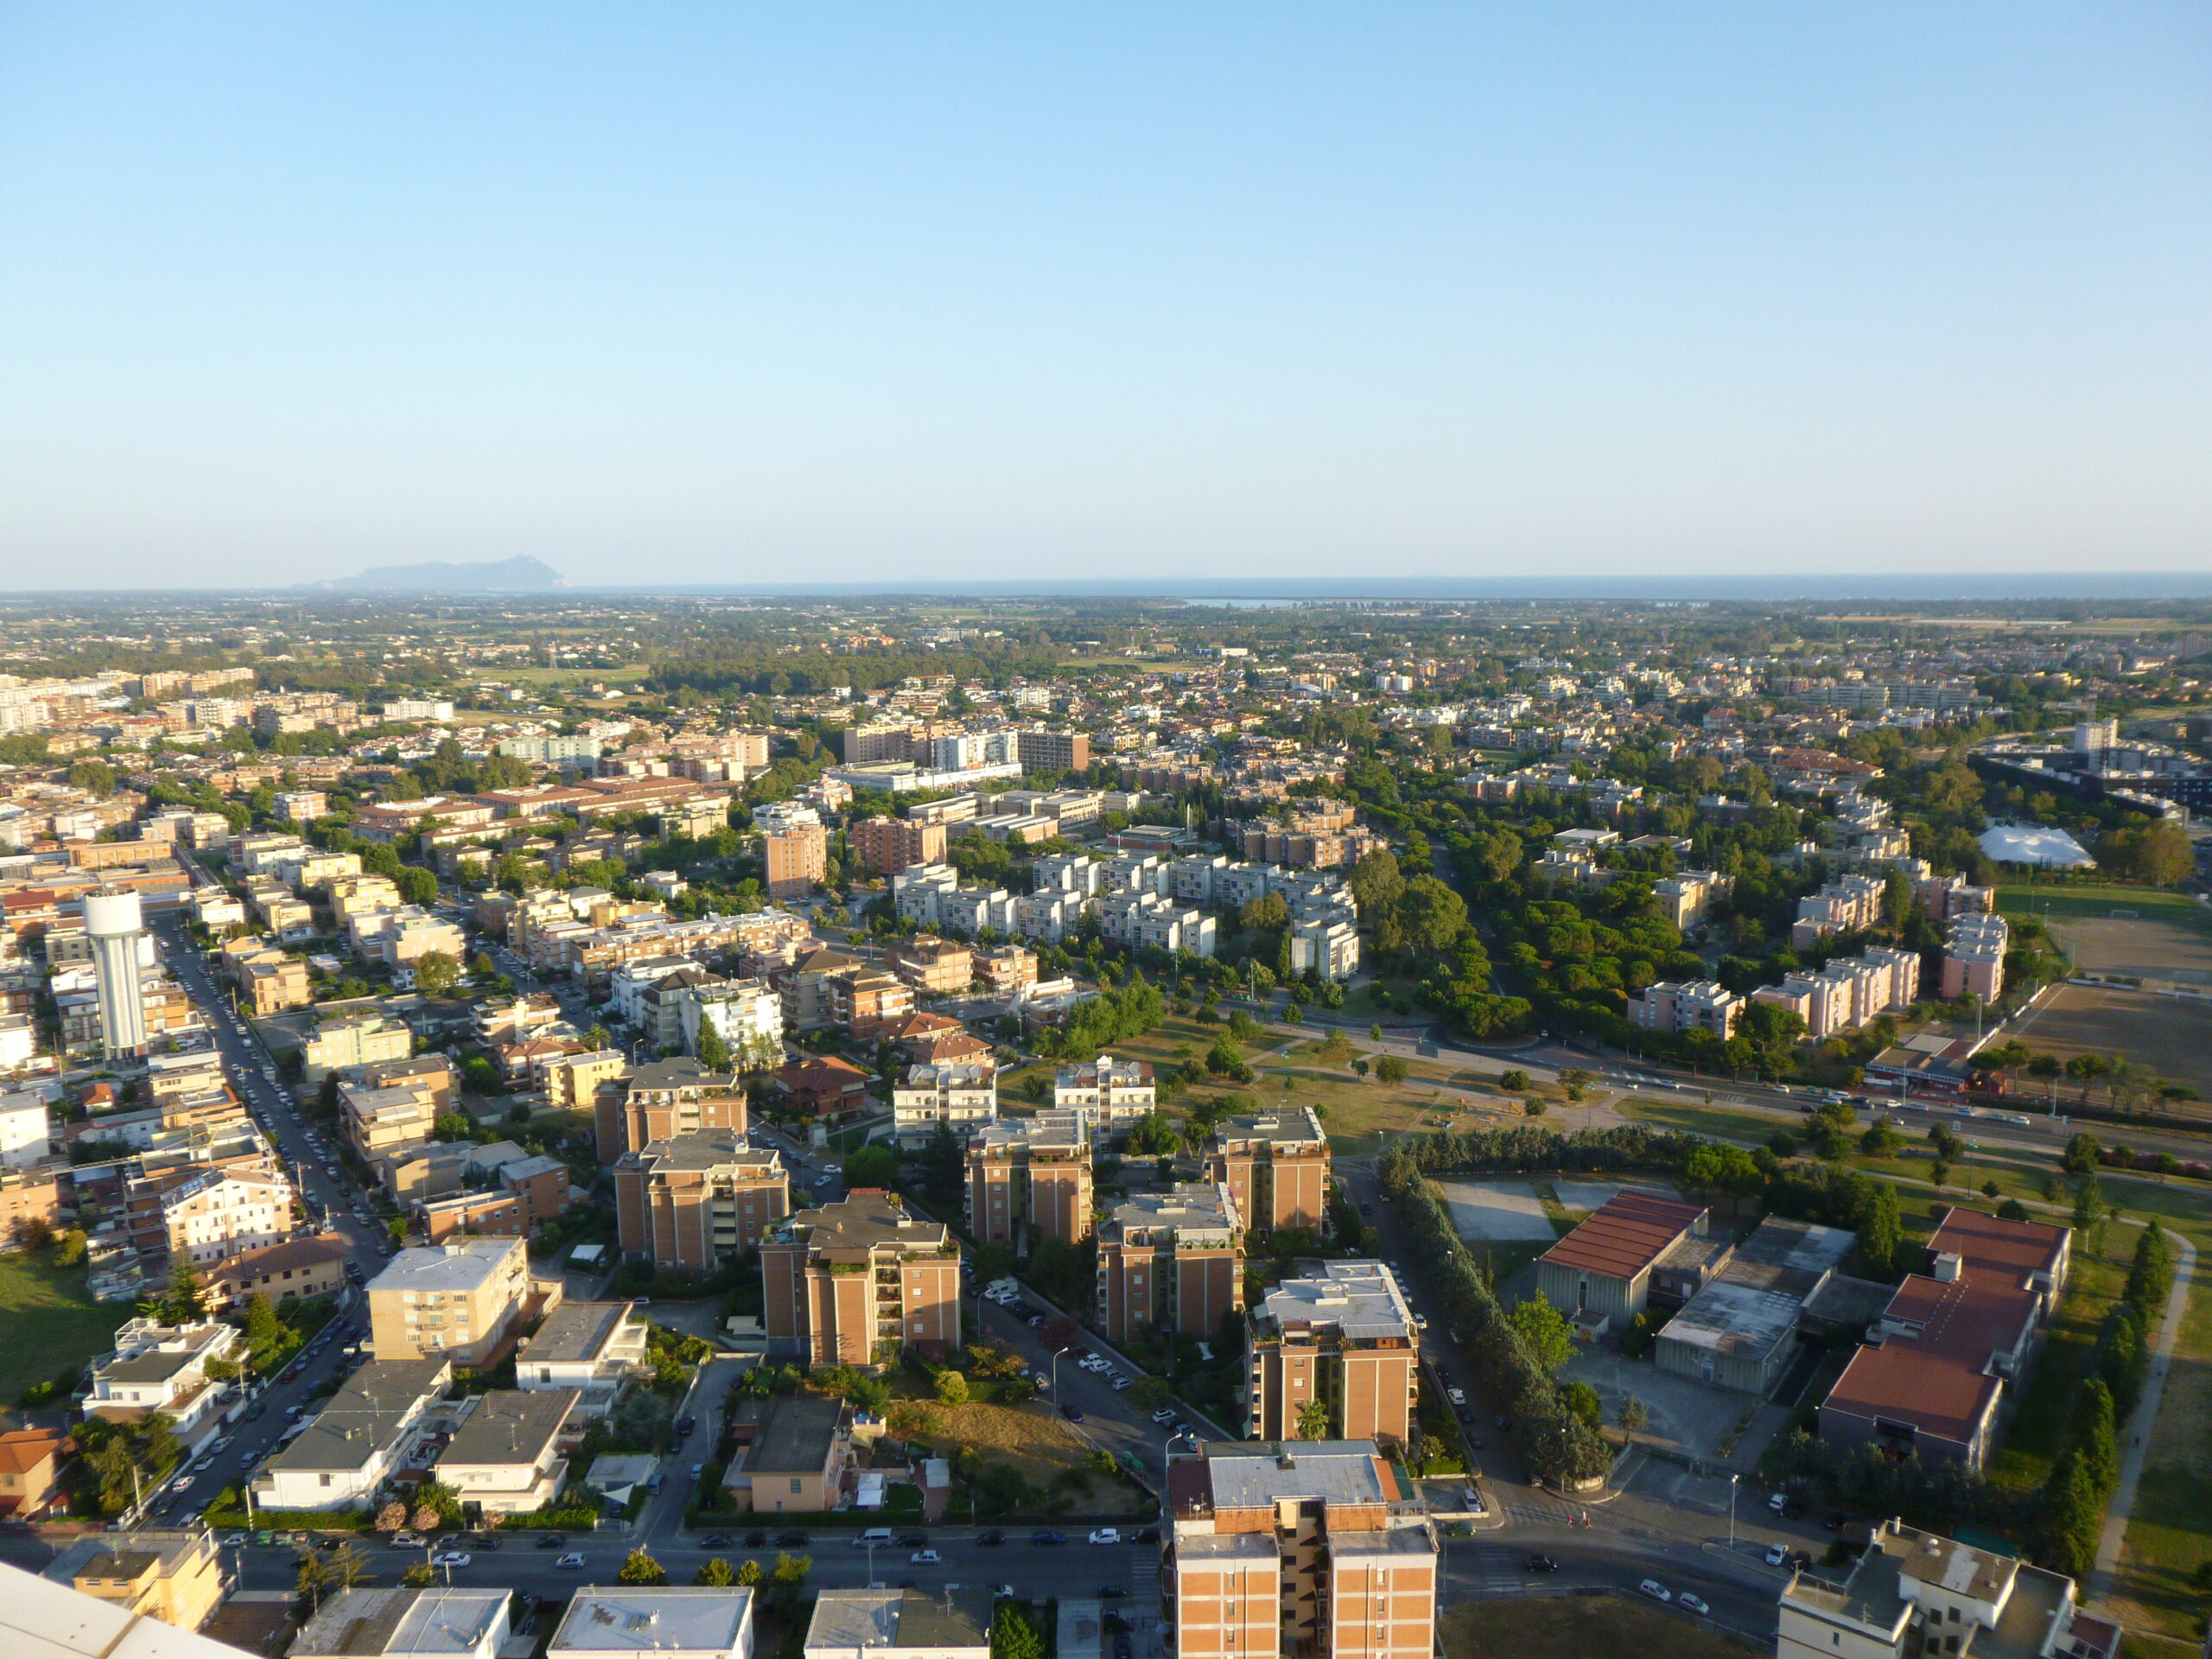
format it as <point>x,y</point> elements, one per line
<point>1120,1383</point>
<point>1776,1555</point>
<point>1695,1603</point>
<point>1106,1535</point>
<point>1777,1501</point>
<point>572,1560</point>
<point>1655,1590</point>
<point>925,1558</point>
<point>450,1558</point>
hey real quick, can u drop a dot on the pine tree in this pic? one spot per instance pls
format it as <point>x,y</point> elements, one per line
<point>712,1052</point>
<point>2096,1433</point>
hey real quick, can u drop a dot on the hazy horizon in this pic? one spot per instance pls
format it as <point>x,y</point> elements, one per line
<point>1485,297</point>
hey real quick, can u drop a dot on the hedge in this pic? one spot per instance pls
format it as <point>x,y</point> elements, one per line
<point>1555,1444</point>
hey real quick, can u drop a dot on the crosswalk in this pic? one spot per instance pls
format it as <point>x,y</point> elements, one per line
<point>1498,1571</point>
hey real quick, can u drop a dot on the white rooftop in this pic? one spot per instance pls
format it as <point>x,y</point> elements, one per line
<point>462,1265</point>
<point>2052,849</point>
<point>677,1624</point>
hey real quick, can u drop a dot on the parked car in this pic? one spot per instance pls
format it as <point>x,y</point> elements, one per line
<point>1105,1536</point>
<point>714,1541</point>
<point>1112,1592</point>
<point>572,1562</point>
<point>1776,1555</point>
<point>794,1540</point>
<point>449,1558</point>
<point>756,1541</point>
<point>1655,1590</point>
<point>1777,1501</point>
<point>1695,1603</point>
<point>1165,1414</point>
<point>1071,1414</point>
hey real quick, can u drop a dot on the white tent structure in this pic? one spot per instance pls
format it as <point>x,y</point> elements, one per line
<point>2046,849</point>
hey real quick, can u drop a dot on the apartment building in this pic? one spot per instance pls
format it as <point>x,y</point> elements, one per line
<point>225,1212</point>
<point>290,1271</point>
<point>804,985</point>
<point>1114,1091</point>
<point>1029,1180</point>
<point>1330,949</point>
<point>855,1281</point>
<point>1974,957</point>
<point>959,1095</point>
<point>591,1349</point>
<point>1673,1006</point>
<point>798,858</point>
<point>1344,1338</point>
<point>351,1040</point>
<point>1841,906</point>
<point>865,1002</point>
<point>1309,1548</point>
<point>889,845</point>
<point>746,1014</point>
<point>917,892</point>
<point>934,967</point>
<point>163,1368</point>
<point>1685,897</point>
<point>1911,1594</point>
<point>665,1098</point>
<point>1847,993</point>
<point>1043,751</point>
<point>693,1200</point>
<point>1172,1260</point>
<point>172,1574</point>
<point>572,1082</point>
<point>458,1301</point>
<point>1007,969</point>
<point>380,1124</point>
<point>1275,1165</point>
<point>273,982</point>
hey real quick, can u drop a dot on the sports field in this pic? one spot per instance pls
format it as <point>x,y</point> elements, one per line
<point>2172,1033</point>
<point>2140,932</point>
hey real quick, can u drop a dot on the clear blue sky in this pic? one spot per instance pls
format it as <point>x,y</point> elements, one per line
<point>727,293</point>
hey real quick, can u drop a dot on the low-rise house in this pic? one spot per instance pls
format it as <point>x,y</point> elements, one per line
<point>350,1446</point>
<point>591,1350</point>
<point>505,1457</point>
<point>295,1269</point>
<point>172,1574</point>
<point>30,1471</point>
<point>161,1368</point>
<point>825,1085</point>
<point>792,1450</point>
<point>377,1623</point>
<point>955,1623</point>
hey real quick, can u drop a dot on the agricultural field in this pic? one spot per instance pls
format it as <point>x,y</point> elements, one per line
<point>48,1324</point>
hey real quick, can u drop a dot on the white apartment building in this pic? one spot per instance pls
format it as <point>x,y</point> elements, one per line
<point>1328,949</point>
<point>747,1014</point>
<point>1674,1006</point>
<point>1049,914</point>
<point>24,1130</point>
<point>590,1349</point>
<point>961,1095</point>
<point>917,892</point>
<point>1119,1091</point>
<point>163,1368</point>
<point>225,1212</point>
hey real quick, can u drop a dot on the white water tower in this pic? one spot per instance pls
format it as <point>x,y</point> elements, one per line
<point>113,924</point>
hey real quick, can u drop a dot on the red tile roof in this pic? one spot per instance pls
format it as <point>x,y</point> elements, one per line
<point>1625,1236</point>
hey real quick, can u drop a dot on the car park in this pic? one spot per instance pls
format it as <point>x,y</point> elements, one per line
<point>1655,1590</point>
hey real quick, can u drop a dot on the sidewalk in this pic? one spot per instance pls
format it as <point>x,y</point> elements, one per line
<point>2142,1424</point>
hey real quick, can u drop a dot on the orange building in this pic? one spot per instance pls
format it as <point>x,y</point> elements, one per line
<point>854,1282</point>
<point>1344,1337</point>
<point>1029,1180</point>
<point>799,858</point>
<point>889,845</point>
<point>1173,1260</point>
<point>1276,1165</point>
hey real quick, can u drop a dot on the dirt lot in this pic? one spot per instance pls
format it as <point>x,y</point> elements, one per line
<point>2144,935</point>
<point>2172,1033</point>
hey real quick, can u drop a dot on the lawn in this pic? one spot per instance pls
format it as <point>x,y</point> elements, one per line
<point>48,1326</point>
<point>2093,1285</point>
<point>2066,904</point>
<point>1573,1627</point>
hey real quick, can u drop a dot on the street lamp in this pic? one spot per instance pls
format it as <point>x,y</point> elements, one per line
<point>1732,1512</point>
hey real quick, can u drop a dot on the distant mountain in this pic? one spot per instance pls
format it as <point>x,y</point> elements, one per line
<point>518,575</point>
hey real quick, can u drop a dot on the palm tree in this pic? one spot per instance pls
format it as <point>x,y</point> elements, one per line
<point>1314,1421</point>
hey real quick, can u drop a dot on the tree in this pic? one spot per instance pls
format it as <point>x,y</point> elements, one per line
<point>749,1573</point>
<point>1314,1421</point>
<point>348,1566</point>
<point>791,1572</point>
<point>2089,1207</point>
<point>1633,1415</point>
<point>714,1572</point>
<point>640,1567</point>
<point>1880,1229</point>
<point>1013,1636</point>
<point>1149,1393</point>
<point>185,1301</point>
<point>313,1576</point>
<point>872,1165</point>
<point>436,973</point>
<point>263,1330</point>
<point>708,1046</point>
<point>1543,1330</point>
<point>1940,1174</point>
<point>1581,1399</point>
<point>951,1388</point>
<point>2082,1156</point>
<point>1390,1069</point>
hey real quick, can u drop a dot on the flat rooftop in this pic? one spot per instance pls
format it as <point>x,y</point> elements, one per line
<point>1255,1474</point>
<point>1292,1126</point>
<point>1355,1299</point>
<point>365,1416</point>
<point>462,1265</point>
<point>1626,1235</point>
<point>901,1618</point>
<point>1753,1303</point>
<point>575,1333</point>
<point>613,1619</point>
<point>397,1621</point>
<point>509,1426</point>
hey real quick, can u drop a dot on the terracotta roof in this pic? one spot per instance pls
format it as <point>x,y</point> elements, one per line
<point>23,1449</point>
<point>1626,1235</point>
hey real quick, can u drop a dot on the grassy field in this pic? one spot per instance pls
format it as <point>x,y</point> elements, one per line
<point>1292,1071</point>
<point>1574,1627</point>
<point>2093,1284</point>
<point>48,1325</point>
<point>2071,904</point>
